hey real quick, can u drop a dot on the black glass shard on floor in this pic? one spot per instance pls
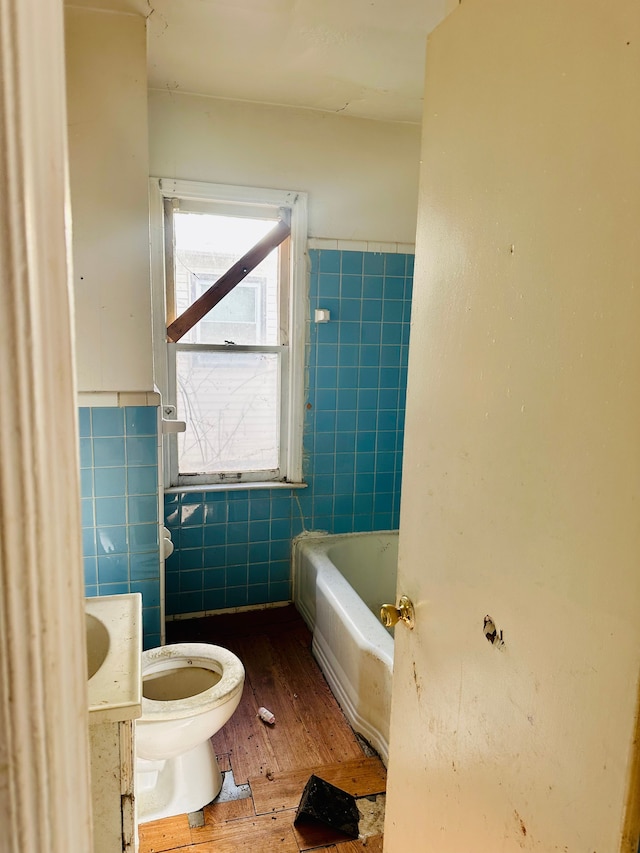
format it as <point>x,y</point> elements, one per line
<point>324,803</point>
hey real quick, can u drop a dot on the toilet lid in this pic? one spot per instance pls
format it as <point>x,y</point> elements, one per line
<point>165,659</point>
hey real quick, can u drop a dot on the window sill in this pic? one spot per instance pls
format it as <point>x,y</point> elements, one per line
<point>232,487</point>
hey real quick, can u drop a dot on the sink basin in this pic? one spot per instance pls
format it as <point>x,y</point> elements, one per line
<point>97,644</point>
<point>114,657</point>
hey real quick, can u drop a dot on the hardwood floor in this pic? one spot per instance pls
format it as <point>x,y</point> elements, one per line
<point>310,735</point>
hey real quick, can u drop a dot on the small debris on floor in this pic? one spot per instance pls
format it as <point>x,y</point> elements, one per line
<point>266,716</point>
<point>196,819</point>
<point>366,747</point>
<point>371,811</point>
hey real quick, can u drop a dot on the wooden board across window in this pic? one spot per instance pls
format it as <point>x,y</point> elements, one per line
<point>227,281</point>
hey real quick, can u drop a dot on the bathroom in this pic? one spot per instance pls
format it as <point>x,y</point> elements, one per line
<point>231,548</point>
<point>351,234</point>
<point>354,415</point>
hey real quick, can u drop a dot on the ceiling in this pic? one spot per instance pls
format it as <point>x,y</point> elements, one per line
<point>357,57</point>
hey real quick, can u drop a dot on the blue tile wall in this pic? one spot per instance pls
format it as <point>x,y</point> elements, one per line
<point>232,548</point>
<point>357,379</point>
<point>119,488</point>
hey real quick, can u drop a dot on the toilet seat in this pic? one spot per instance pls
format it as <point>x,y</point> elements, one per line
<point>166,659</point>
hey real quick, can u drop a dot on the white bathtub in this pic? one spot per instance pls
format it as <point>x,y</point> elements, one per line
<point>339,584</point>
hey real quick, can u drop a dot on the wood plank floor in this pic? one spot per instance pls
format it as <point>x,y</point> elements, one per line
<point>311,735</point>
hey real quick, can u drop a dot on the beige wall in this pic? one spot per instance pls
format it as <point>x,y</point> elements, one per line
<point>361,176</point>
<point>108,157</point>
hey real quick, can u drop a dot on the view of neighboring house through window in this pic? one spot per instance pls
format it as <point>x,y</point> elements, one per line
<point>230,376</point>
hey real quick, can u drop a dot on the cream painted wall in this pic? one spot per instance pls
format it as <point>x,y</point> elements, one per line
<point>361,176</point>
<point>522,451</point>
<point>108,156</point>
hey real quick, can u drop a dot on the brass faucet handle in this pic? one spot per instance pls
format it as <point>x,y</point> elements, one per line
<point>391,615</point>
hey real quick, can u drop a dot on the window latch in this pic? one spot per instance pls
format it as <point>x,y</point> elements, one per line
<point>170,424</point>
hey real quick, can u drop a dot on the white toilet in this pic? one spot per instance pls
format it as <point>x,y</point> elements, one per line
<point>189,691</point>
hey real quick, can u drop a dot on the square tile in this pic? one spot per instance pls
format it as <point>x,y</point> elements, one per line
<point>144,566</point>
<point>329,261</point>
<point>351,288</point>
<point>236,554</point>
<point>214,578</point>
<point>190,537</point>
<point>215,534</point>
<point>237,532</point>
<point>258,593</point>
<point>236,596</point>
<point>279,591</point>
<point>214,599</point>
<point>259,552</point>
<point>111,540</point>
<point>259,531</point>
<point>190,579</point>
<point>108,452</point>
<point>258,573</point>
<point>113,568</point>
<point>373,286</point>
<point>259,509</point>
<point>192,514</point>
<point>343,505</point>
<point>347,419</point>
<point>107,421</point>
<point>234,511</point>
<point>372,333</point>
<point>110,482</point>
<point>395,264</point>
<point>279,571</point>
<point>236,575</point>
<point>350,311</point>
<point>110,511</point>
<point>142,451</point>
<point>143,537</point>
<point>142,481</point>
<point>190,559</point>
<point>328,285</point>
<point>142,508</point>
<point>141,420</point>
<point>214,557</point>
<point>352,263</point>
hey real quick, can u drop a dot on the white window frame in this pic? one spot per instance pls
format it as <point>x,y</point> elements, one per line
<point>292,373</point>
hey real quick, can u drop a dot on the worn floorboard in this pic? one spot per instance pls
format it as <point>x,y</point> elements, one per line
<point>311,735</point>
<point>359,777</point>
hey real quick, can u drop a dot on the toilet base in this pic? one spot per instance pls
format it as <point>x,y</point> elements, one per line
<point>177,785</point>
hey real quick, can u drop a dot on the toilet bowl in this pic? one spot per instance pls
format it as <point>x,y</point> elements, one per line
<point>189,691</point>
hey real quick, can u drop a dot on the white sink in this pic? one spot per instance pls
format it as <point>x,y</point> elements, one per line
<point>114,657</point>
<point>98,641</point>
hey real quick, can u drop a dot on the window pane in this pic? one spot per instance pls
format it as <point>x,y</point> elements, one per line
<point>206,245</point>
<point>231,404</point>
